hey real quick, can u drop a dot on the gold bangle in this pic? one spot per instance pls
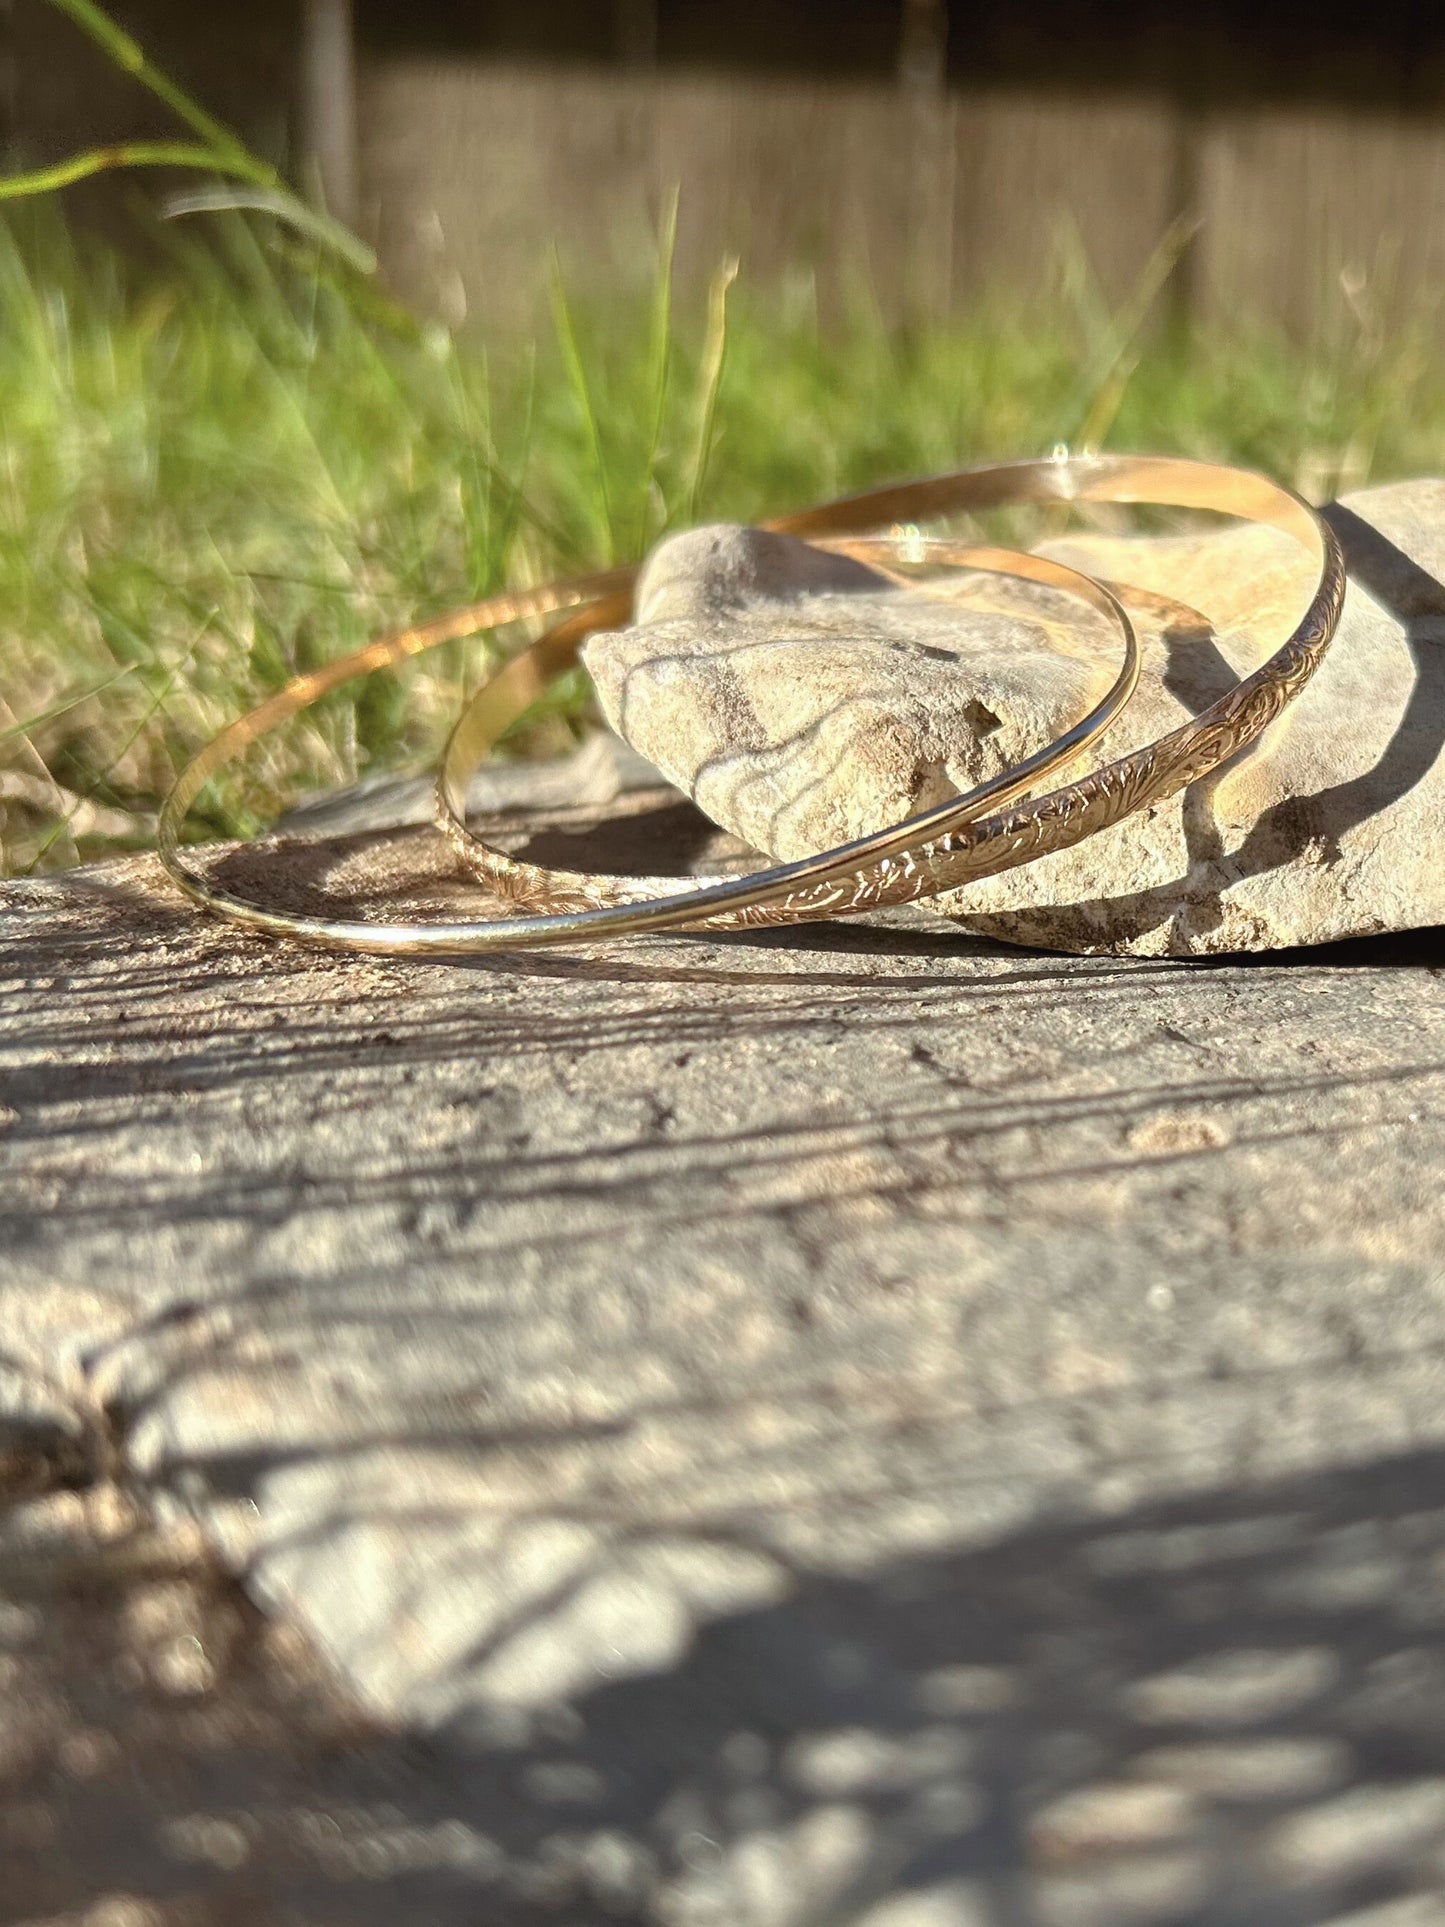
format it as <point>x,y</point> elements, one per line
<point>503,698</point>
<point>512,689</point>
<point>927,859</point>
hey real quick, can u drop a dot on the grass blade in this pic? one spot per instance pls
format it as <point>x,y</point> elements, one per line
<point>1114,365</point>
<point>65,704</point>
<point>220,150</point>
<point>582,394</point>
<point>714,352</point>
<point>130,57</point>
<point>659,362</point>
<point>158,700</point>
<point>296,213</point>
<point>97,160</point>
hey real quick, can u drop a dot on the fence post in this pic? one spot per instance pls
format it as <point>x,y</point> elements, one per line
<point>635,32</point>
<point>923,82</point>
<point>328,105</point>
<point>923,46</point>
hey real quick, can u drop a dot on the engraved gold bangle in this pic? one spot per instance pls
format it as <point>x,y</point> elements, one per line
<point>922,857</point>
<point>503,698</point>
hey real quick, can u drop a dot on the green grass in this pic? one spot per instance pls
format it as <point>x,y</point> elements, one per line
<point>219,472</point>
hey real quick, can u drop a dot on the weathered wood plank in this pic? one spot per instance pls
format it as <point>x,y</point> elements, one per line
<point>869,1413</point>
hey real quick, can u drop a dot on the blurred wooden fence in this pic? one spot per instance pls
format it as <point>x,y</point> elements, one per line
<point>471,171</point>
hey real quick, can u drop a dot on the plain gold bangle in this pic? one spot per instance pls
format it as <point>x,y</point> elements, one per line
<point>914,859</point>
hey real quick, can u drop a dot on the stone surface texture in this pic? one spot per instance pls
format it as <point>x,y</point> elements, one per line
<point>863,1426</point>
<point>801,703</point>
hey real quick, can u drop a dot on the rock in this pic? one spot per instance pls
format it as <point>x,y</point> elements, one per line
<point>763,1426</point>
<point>801,698</point>
<point>803,704</point>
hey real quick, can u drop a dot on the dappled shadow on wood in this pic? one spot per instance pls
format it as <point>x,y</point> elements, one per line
<point>1221,1710</point>
<point>710,1387</point>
